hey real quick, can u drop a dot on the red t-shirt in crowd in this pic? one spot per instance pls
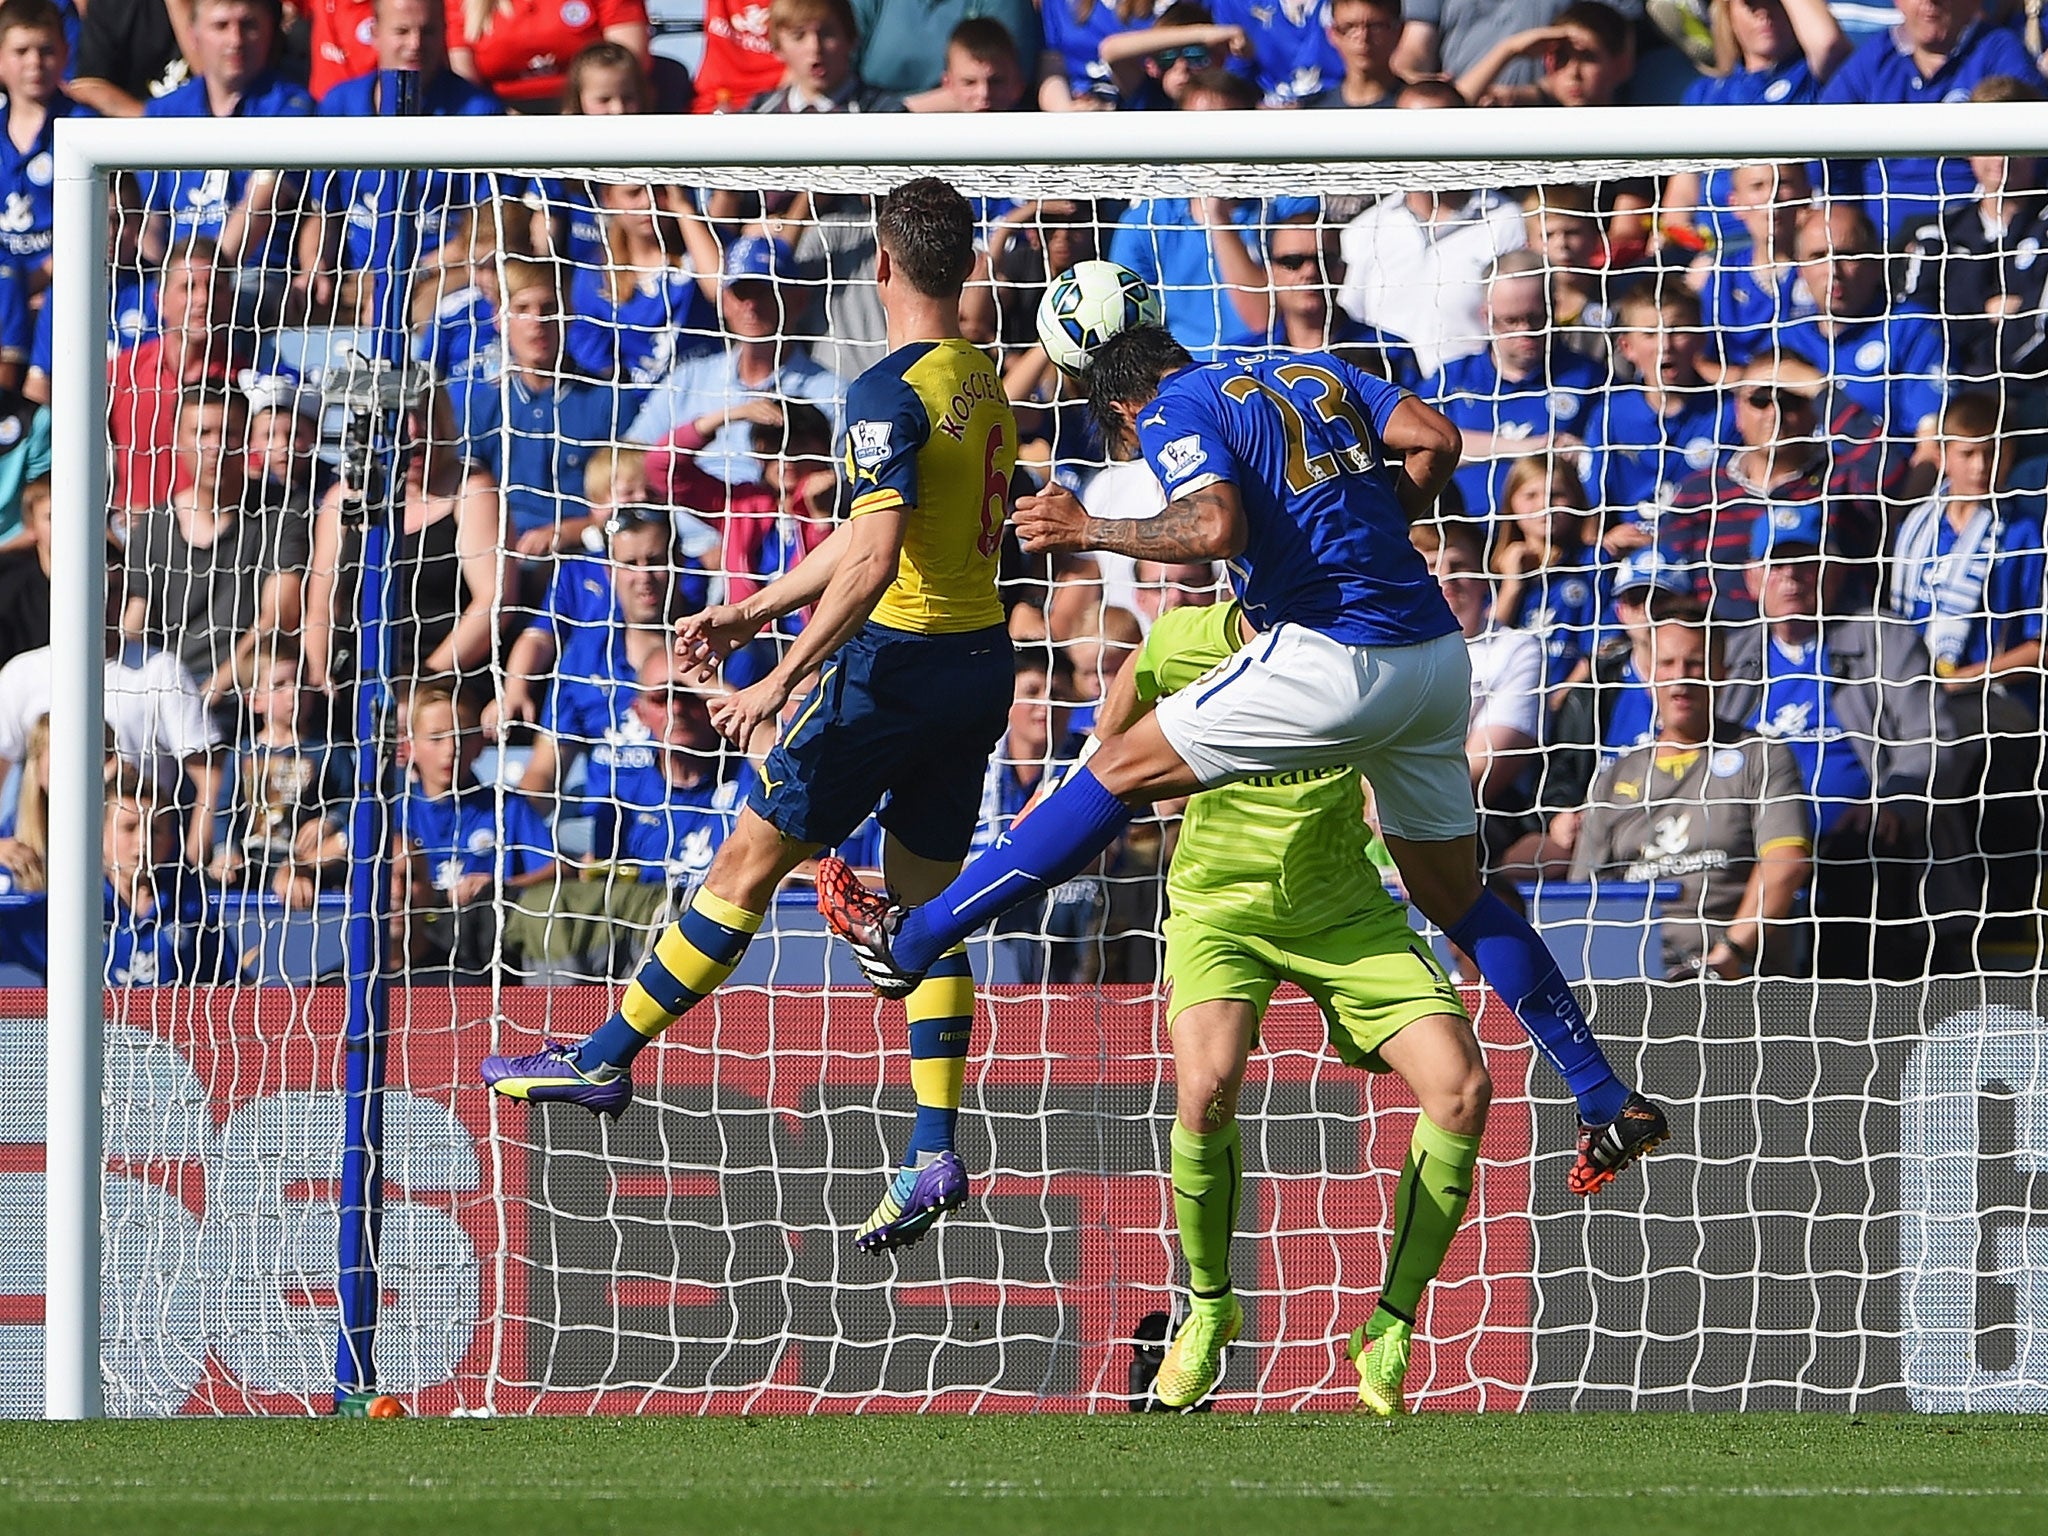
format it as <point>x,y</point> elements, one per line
<point>143,386</point>
<point>344,46</point>
<point>524,53</point>
<point>738,63</point>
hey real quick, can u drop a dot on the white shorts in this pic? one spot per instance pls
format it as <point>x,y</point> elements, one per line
<point>1295,699</point>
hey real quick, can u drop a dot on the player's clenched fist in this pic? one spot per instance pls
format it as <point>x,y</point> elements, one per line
<point>1051,523</point>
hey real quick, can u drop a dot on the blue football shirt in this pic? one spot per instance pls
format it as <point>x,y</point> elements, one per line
<point>1907,189</point>
<point>28,209</point>
<point>536,442</point>
<point>1298,434</point>
<point>669,831</point>
<point>1639,454</point>
<point>463,834</point>
<point>1474,393</point>
<point>1894,365</point>
<point>199,202</point>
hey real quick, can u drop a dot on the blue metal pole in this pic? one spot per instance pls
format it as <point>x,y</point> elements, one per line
<point>394,252</point>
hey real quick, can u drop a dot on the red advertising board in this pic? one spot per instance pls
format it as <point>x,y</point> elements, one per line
<point>695,1257</point>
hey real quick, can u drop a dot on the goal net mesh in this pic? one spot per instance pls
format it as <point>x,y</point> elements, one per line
<point>1687,388</point>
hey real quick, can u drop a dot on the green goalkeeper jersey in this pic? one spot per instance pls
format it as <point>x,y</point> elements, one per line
<point>1279,855</point>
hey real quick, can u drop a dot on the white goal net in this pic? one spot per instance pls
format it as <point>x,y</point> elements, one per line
<point>392,638</point>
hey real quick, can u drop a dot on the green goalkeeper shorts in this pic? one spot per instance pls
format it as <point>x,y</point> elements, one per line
<point>1371,979</point>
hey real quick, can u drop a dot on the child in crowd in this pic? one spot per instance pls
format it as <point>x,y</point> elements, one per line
<point>1969,566</point>
<point>983,73</point>
<point>1550,582</point>
<point>1642,439</point>
<point>158,932</point>
<point>536,432</point>
<point>1153,67</point>
<point>1563,223</point>
<point>766,526</point>
<point>32,59</point>
<point>605,80</point>
<point>459,845</point>
<point>287,786</point>
<point>1588,55</point>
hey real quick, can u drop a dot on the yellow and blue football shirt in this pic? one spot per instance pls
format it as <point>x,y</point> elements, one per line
<point>930,432</point>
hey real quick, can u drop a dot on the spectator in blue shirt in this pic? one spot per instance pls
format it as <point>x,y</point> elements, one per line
<point>1526,393</point>
<point>1196,252</point>
<point>759,362</point>
<point>336,247</point>
<point>602,618</point>
<point>1970,567</point>
<point>1073,76</point>
<point>1292,57</point>
<point>1153,66</point>
<point>32,59</point>
<point>1305,268</point>
<point>459,843</point>
<point>158,933</point>
<point>1642,439</point>
<point>1891,362</point>
<point>243,212</point>
<point>665,812</point>
<point>1551,584</point>
<point>1785,50</point>
<point>1938,52</point>
<point>537,427</point>
<point>649,304</point>
<point>1745,293</point>
<point>1362,34</point>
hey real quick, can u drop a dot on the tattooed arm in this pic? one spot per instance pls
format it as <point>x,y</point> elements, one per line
<point>1205,524</point>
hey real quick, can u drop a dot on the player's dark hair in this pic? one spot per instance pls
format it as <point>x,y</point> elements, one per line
<point>1126,371</point>
<point>928,230</point>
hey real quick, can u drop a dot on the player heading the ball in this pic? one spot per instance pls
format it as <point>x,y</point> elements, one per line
<point>914,679</point>
<point>1303,472</point>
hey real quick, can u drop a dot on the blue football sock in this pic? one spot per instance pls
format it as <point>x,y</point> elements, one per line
<point>1518,965</point>
<point>1050,846</point>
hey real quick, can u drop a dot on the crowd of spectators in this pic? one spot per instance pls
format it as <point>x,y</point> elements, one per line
<point>1747,546</point>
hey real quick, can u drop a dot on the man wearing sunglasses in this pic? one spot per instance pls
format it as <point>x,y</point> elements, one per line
<point>1304,268</point>
<point>1790,458</point>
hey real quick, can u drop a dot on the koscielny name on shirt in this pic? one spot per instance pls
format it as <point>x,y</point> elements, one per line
<point>974,387</point>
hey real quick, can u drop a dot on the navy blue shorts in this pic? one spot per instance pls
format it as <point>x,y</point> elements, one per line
<point>900,720</point>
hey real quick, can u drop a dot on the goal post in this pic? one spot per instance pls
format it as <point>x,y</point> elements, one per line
<point>1126,156</point>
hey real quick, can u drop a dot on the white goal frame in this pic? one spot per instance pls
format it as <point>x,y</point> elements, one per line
<point>1176,154</point>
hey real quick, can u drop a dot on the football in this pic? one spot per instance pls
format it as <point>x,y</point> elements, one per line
<point>1089,303</point>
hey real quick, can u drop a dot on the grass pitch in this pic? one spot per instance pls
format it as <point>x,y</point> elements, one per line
<point>896,1476</point>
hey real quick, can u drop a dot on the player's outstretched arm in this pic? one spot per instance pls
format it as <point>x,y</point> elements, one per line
<point>861,571</point>
<point>1428,443</point>
<point>706,638</point>
<point>1205,524</point>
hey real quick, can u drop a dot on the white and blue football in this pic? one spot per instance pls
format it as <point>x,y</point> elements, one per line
<point>1089,303</point>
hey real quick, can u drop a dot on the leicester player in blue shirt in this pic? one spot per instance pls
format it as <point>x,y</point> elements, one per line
<point>1303,473</point>
<point>912,660</point>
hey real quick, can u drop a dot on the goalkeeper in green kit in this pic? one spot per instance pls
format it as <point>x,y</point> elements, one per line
<point>1273,880</point>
